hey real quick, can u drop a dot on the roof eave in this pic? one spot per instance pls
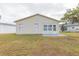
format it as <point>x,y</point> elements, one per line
<point>34,15</point>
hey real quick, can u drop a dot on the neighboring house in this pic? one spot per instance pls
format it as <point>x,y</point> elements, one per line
<point>72,27</point>
<point>7,28</point>
<point>37,24</point>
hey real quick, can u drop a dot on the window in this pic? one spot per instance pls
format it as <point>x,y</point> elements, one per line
<point>20,27</point>
<point>72,27</point>
<point>47,27</point>
<point>77,28</point>
<point>54,27</point>
<point>36,25</point>
<point>50,27</point>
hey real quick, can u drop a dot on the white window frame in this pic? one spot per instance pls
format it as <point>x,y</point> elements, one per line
<point>47,27</point>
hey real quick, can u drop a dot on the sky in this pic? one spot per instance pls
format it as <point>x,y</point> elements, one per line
<point>13,11</point>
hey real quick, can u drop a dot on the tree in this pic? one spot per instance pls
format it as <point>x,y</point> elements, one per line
<point>62,27</point>
<point>72,15</point>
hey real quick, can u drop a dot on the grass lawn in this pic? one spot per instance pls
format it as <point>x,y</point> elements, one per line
<point>23,45</point>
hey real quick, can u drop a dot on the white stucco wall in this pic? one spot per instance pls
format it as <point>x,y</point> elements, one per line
<point>7,29</point>
<point>28,25</point>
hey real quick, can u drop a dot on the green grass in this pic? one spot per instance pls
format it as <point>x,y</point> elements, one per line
<point>24,45</point>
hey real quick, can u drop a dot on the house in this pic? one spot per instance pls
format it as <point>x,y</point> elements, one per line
<point>72,27</point>
<point>7,28</point>
<point>37,24</point>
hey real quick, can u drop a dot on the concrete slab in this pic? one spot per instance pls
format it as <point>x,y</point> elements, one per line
<point>53,35</point>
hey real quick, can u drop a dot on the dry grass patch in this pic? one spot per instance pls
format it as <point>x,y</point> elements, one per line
<point>23,45</point>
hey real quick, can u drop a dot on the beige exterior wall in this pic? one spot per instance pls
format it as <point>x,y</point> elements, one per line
<point>28,26</point>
